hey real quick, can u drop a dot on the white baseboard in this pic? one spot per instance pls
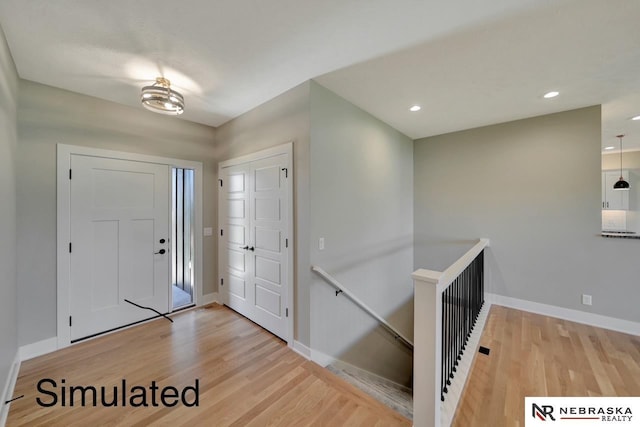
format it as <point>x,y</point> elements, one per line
<point>301,349</point>
<point>321,359</point>
<point>39,348</point>
<point>606,322</point>
<point>209,298</point>
<point>7,390</point>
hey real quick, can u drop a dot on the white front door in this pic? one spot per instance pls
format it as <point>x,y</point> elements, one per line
<point>119,227</point>
<point>254,216</point>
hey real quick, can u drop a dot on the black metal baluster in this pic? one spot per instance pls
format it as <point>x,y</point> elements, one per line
<point>442,351</point>
<point>461,305</point>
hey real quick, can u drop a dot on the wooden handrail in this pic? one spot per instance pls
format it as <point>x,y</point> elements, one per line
<point>341,289</point>
<point>444,278</point>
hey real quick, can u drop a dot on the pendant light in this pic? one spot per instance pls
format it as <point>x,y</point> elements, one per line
<point>621,184</point>
<point>160,98</point>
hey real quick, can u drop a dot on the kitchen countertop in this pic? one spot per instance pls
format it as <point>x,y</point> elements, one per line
<point>620,234</point>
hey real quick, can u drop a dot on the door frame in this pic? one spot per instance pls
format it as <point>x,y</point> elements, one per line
<point>63,198</point>
<point>286,148</point>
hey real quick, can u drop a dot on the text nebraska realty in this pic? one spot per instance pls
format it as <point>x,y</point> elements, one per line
<point>53,393</point>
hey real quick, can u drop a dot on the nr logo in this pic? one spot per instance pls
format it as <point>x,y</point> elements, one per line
<point>542,412</point>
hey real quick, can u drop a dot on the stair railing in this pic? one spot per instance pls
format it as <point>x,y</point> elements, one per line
<point>446,307</point>
<point>340,289</point>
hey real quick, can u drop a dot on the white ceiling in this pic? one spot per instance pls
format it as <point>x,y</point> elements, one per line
<point>468,63</point>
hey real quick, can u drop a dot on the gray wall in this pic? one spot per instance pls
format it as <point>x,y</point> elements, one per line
<point>533,187</point>
<point>48,116</point>
<point>282,119</point>
<point>8,144</point>
<point>362,204</point>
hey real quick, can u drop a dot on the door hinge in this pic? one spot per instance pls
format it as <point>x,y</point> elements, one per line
<point>221,281</point>
<point>69,247</point>
<point>70,321</point>
<point>69,173</point>
<point>220,182</point>
<point>286,243</point>
<point>286,312</point>
<point>286,172</point>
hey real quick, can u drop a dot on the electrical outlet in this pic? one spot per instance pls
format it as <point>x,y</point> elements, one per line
<point>586,299</point>
<point>321,244</point>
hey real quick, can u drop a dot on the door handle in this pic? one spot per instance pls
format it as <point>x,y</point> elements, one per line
<point>244,247</point>
<point>161,252</point>
<point>252,249</point>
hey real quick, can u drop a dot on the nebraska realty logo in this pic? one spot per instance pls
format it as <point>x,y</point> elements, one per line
<point>581,411</point>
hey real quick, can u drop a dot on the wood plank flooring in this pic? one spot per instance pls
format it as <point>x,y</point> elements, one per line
<point>247,377</point>
<point>533,355</point>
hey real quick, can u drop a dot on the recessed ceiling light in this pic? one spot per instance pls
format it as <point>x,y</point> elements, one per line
<point>611,147</point>
<point>635,118</point>
<point>415,108</point>
<point>551,94</point>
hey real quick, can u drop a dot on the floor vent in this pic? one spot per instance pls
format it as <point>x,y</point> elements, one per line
<point>484,350</point>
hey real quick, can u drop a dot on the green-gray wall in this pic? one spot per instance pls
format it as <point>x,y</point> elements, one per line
<point>282,119</point>
<point>48,116</point>
<point>361,189</point>
<point>8,144</point>
<point>533,187</point>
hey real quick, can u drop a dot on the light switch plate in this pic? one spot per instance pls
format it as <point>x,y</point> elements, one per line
<point>586,299</point>
<point>321,244</point>
<point>208,231</point>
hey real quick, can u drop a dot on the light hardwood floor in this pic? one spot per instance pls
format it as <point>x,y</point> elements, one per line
<point>247,377</point>
<point>533,355</point>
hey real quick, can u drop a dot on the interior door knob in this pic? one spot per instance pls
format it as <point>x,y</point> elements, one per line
<point>161,252</point>
<point>244,247</point>
<point>252,248</point>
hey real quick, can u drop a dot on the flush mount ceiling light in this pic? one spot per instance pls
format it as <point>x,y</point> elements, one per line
<point>621,184</point>
<point>551,94</point>
<point>635,118</point>
<point>415,108</point>
<point>611,147</point>
<point>160,98</point>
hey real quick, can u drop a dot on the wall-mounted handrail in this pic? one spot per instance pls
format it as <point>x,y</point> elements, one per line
<point>341,289</point>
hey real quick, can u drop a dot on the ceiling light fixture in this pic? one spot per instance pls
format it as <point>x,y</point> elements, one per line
<point>621,184</point>
<point>551,94</point>
<point>635,118</point>
<point>415,108</point>
<point>160,98</point>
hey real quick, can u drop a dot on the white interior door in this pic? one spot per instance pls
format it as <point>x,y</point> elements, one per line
<point>234,209</point>
<point>268,258</point>
<point>119,225</point>
<point>254,216</point>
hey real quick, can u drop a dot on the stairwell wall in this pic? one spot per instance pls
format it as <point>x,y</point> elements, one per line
<point>361,203</point>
